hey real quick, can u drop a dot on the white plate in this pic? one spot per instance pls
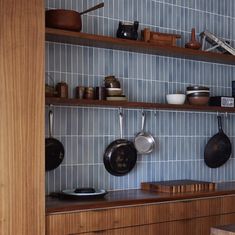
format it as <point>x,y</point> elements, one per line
<point>71,192</point>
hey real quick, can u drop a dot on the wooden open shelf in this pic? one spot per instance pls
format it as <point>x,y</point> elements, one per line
<point>136,105</point>
<point>84,39</point>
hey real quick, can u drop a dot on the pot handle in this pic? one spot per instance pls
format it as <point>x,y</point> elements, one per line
<point>121,123</point>
<point>219,123</point>
<point>50,122</point>
<point>143,121</point>
<point>93,8</point>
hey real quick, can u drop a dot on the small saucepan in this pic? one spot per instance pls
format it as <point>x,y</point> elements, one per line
<point>120,156</point>
<point>144,141</point>
<point>67,19</point>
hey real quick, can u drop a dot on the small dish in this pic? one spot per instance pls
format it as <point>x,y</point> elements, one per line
<point>175,98</point>
<point>98,192</point>
<point>116,98</point>
<point>193,88</point>
<point>113,91</point>
<point>199,94</point>
<point>197,91</point>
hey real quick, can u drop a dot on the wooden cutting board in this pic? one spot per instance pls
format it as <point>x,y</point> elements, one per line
<point>178,186</point>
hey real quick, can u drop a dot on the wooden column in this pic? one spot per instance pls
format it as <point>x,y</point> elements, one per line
<point>22,203</point>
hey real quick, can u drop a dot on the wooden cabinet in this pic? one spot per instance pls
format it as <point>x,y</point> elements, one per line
<point>22,194</point>
<point>195,226</point>
<point>168,218</point>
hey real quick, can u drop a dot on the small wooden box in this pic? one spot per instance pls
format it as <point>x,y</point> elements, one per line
<point>163,39</point>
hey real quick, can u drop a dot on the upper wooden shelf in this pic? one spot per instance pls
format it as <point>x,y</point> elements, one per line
<point>84,39</point>
<point>136,105</point>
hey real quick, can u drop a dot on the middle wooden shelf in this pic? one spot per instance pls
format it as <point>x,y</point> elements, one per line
<point>135,105</point>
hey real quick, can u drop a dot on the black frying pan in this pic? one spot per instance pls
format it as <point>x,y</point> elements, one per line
<point>54,148</point>
<point>218,149</point>
<point>120,156</point>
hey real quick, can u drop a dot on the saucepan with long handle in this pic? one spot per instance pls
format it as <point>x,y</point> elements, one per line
<point>67,19</point>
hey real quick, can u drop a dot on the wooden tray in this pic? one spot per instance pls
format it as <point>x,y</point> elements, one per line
<point>163,39</point>
<point>178,186</point>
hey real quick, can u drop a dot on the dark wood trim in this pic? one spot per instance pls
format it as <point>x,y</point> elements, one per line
<point>84,39</point>
<point>136,105</point>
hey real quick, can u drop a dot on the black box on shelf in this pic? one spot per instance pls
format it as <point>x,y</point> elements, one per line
<point>222,101</point>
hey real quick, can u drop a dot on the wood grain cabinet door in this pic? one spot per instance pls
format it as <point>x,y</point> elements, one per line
<point>168,216</point>
<point>197,226</point>
<point>22,104</point>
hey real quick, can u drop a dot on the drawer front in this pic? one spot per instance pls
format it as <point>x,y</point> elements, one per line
<point>103,219</point>
<point>197,226</point>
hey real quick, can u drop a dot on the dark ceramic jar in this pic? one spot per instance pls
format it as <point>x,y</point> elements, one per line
<point>62,89</point>
<point>128,31</point>
<point>111,82</point>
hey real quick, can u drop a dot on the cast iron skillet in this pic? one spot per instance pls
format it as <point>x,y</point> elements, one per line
<point>120,156</point>
<point>54,148</point>
<point>218,149</point>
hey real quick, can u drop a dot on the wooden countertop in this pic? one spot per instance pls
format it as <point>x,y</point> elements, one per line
<point>223,230</point>
<point>131,197</point>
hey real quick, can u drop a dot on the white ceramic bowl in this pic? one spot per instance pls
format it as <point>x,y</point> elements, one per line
<point>175,98</point>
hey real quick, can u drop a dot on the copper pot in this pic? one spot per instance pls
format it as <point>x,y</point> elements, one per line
<point>67,19</point>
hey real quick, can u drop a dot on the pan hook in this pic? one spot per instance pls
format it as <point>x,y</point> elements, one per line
<point>142,111</point>
<point>120,110</point>
<point>50,107</point>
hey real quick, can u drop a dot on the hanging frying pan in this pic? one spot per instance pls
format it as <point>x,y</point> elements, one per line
<point>120,156</point>
<point>144,141</point>
<point>218,149</point>
<point>54,148</point>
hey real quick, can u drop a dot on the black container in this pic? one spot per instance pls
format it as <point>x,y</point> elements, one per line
<point>100,93</point>
<point>222,101</point>
<point>233,88</point>
<point>128,31</point>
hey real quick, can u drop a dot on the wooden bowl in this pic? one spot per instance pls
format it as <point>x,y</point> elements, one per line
<point>199,100</point>
<point>64,19</point>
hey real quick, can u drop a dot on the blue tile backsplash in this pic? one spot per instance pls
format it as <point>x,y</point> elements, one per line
<point>181,136</point>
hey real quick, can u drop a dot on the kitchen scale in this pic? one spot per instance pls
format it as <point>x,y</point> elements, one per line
<point>215,42</point>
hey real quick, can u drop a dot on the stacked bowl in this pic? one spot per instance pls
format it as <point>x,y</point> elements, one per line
<point>198,95</point>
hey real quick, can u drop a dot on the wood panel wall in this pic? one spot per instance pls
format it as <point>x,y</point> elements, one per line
<point>22,203</point>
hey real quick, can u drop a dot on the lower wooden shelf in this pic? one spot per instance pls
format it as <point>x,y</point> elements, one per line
<point>136,105</point>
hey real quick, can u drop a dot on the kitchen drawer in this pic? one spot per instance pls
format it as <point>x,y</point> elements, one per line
<point>197,226</point>
<point>112,218</point>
